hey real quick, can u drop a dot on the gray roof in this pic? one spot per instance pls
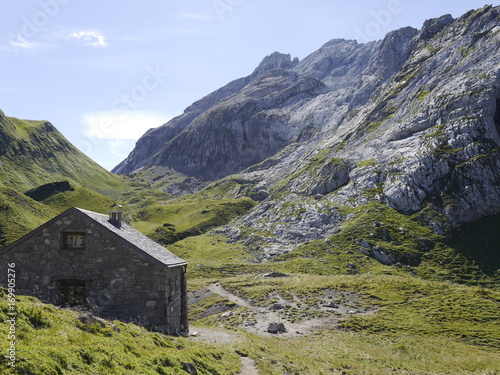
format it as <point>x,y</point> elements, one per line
<point>139,242</point>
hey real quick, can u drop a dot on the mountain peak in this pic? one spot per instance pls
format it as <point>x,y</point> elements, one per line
<point>274,61</point>
<point>434,25</point>
<point>419,105</point>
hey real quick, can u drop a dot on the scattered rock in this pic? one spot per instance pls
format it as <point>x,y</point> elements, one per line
<point>352,269</point>
<point>227,315</point>
<point>276,328</point>
<point>190,368</point>
<point>275,274</point>
<point>276,307</point>
<point>332,305</point>
<point>259,196</point>
<point>89,319</point>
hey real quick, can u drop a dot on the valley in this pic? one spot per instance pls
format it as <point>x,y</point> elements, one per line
<point>339,215</point>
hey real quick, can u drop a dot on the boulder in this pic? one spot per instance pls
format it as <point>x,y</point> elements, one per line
<point>276,328</point>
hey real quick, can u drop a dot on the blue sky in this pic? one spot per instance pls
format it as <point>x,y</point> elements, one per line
<point>105,71</point>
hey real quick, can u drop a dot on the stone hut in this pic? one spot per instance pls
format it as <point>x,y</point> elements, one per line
<point>100,263</point>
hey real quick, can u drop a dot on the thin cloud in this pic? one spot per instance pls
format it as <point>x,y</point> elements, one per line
<point>18,43</point>
<point>21,42</point>
<point>189,31</point>
<point>115,146</point>
<point>122,124</point>
<point>92,38</point>
<point>196,16</point>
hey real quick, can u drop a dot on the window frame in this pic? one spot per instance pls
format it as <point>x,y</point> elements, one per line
<point>72,292</point>
<point>78,243</point>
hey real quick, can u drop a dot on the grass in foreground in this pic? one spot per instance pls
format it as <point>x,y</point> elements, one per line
<point>356,353</point>
<point>53,341</point>
<point>419,327</point>
<point>405,305</point>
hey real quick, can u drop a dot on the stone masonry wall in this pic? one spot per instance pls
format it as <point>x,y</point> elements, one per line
<point>119,283</point>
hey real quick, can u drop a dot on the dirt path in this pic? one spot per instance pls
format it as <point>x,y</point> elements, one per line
<point>218,289</point>
<point>248,367</point>
<point>224,337</point>
<point>262,317</point>
<point>256,319</point>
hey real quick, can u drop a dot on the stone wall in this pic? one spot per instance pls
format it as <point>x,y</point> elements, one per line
<point>119,282</point>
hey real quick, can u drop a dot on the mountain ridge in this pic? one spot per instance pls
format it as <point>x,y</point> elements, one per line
<point>306,75</point>
<point>380,196</point>
<point>33,153</point>
<point>329,65</point>
<point>292,154</point>
<point>411,122</point>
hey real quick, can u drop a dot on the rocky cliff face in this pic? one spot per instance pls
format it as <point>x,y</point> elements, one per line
<point>411,122</point>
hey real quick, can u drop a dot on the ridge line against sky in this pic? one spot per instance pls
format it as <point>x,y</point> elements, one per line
<point>105,72</point>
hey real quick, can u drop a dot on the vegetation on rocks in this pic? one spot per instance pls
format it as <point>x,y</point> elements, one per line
<point>376,324</point>
<point>370,232</point>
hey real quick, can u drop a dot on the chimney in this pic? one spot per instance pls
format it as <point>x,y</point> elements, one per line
<point>115,218</point>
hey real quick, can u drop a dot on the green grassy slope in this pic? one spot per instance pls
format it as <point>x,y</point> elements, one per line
<point>76,196</point>
<point>468,256</point>
<point>20,214</point>
<point>423,320</point>
<point>171,221</point>
<point>54,341</point>
<point>418,327</point>
<point>34,153</point>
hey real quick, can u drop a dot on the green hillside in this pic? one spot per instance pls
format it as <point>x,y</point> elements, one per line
<point>20,214</point>
<point>384,324</point>
<point>434,312</point>
<point>33,153</point>
<point>393,324</point>
<point>56,341</point>
<point>62,195</point>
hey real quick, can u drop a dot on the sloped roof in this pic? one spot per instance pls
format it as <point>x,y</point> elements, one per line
<point>125,233</point>
<point>136,239</point>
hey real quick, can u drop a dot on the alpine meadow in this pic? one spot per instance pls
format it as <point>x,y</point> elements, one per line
<point>338,214</point>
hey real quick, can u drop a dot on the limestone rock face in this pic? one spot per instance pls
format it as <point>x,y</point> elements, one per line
<point>410,121</point>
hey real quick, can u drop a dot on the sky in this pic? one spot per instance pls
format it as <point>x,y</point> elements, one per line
<point>105,71</point>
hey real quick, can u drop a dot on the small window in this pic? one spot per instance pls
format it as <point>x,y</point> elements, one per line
<point>71,292</point>
<point>73,241</point>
